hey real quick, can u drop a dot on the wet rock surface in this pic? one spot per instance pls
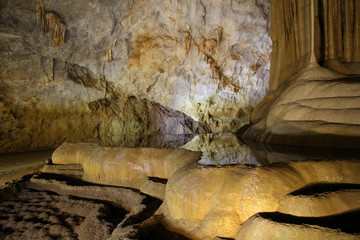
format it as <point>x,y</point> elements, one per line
<point>129,68</point>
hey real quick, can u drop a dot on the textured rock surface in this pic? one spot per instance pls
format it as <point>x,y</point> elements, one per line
<point>205,202</point>
<point>208,59</point>
<point>49,206</point>
<point>309,104</point>
<point>45,215</point>
<point>272,226</point>
<point>323,204</point>
<point>143,168</point>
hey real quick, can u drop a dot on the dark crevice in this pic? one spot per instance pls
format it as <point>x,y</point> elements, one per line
<point>152,204</point>
<point>159,232</point>
<point>158,180</point>
<point>348,222</point>
<point>319,188</point>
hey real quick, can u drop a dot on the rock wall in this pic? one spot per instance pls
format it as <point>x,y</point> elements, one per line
<point>207,59</point>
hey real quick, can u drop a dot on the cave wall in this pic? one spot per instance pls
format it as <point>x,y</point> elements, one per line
<point>314,86</point>
<point>207,59</point>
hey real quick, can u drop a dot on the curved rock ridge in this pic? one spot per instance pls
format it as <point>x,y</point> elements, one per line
<point>272,226</point>
<point>319,205</point>
<point>205,202</point>
<point>145,169</point>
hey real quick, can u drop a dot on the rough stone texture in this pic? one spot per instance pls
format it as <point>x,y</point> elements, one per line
<point>208,59</point>
<point>309,104</point>
<point>46,215</point>
<point>205,202</point>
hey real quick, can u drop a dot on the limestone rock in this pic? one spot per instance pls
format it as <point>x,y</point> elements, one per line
<point>323,204</point>
<point>264,227</point>
<point>308,104</point>
<point>319,111</point>
<point>142,168</point>
<point>205,202</point>
<point>207,59</point>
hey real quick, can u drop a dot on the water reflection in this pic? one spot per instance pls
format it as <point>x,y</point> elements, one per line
<point>227,148</point>
<point>133,141</point>
<point>221,149</point>
<point>272,153</point>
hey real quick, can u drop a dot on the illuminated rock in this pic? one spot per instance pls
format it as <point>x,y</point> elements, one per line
<point>307,103</point>
<point>143,168</point>
<point>208,60</point>
<point>275,226</point>
<point>205,202</point>
<point>321,204</point>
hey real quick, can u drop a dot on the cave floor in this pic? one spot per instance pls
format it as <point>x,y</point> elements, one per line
<point>40,199</point>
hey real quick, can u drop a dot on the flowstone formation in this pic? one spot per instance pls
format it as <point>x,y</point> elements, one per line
<point>311,104</point>
<point>301,199</point>
<point>207,59</point>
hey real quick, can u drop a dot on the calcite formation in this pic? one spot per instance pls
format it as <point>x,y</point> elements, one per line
<point>207,59</point>
<point>323,204</point>
<point>204,201</point>
<point>309,104</point>
<point>143,168</point>
<point>266,228</point>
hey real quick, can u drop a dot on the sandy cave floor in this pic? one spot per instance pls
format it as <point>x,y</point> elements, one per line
<point>34,214</point>
<point>49,206</point>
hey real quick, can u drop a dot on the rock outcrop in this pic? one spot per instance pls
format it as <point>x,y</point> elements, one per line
<point>207,59</point>
<point>309,104</point>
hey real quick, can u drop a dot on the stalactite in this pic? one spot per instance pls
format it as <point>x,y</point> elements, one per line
<point>56,25</point>
<point>348,30</point>
<point>339,29</point>
<point>356,39</point>
<point>57,28</point>
<point>330,33</point>
<point>296,32</point>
